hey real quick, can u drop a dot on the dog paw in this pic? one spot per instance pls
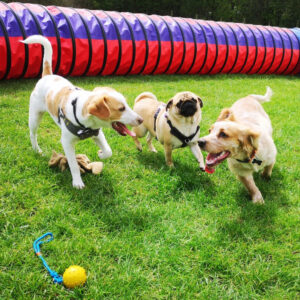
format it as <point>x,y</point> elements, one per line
<point>266,176</point>
<point>153,150</point>
<point>104,155</point>
<point>258,199</point>
<point>170,165</point>
<point>78,184</point>
<point>202,169</point>
<point>38,150</point>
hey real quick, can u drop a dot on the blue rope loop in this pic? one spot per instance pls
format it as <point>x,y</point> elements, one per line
<point>36,246</point>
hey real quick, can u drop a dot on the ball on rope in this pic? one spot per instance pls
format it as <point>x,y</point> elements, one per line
<point>74,276</point>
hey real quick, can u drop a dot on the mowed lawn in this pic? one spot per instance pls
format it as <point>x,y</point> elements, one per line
<point>141,230</point>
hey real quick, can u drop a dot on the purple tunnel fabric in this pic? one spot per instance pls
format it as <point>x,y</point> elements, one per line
<point>87,42</point>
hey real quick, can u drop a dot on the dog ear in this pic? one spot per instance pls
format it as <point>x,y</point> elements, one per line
<point>200,101</point>
<point>169,104</point>
<point>249,141</point>
<point>99,108</point>
<point>226,114</point>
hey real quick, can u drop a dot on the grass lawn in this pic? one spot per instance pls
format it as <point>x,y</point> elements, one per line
<point>140,229</point>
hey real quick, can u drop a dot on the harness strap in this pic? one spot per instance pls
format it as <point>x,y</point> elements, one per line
<point>184,139</point>
<point>74,102</point>
<point>80,131</point>
<point>156,115</point>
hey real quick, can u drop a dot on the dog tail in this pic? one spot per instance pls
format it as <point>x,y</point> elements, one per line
<point>264,98</point>
<point>47,59</point>
<point>145,95</point>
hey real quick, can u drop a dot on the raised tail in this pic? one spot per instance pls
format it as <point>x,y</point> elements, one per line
<point>47,59</point>
<point>145,95</point>
<point>266,97</point>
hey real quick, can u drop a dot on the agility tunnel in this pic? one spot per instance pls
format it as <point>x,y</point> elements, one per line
<point>97,42</point>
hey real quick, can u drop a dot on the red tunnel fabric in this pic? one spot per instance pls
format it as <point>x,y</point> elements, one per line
<point>91,43</point>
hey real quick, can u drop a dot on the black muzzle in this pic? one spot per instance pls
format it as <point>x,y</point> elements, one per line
<point>188,108</point>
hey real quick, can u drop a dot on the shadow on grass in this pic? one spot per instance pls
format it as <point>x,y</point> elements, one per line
<point>256,221</point>
<point>191,177</point>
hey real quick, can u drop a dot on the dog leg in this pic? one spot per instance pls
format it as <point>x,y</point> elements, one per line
<point>252,189</point>
<point>140,131</point>
<point>101,142</point>
<point>149,142</point>
<point>137,143</point>
<point>68,145</point>
<point>198,154</point>
<point>35,117</point>
<point>268,171</point>
<point>168,154</point>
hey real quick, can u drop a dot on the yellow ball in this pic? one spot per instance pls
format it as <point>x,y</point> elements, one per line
<point>74,276</point>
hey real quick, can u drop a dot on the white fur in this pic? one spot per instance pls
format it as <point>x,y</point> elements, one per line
<point>53,84</point>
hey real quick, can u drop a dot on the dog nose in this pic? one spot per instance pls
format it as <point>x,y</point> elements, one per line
<point>140,120</point>
<point>202,143</point>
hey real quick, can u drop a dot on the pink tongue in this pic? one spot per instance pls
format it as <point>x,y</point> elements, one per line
<point>125,130</point>
<point>211,157</point>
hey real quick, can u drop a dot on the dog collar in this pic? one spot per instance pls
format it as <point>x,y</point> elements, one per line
<point>253,161</point>
<point>80,131</point>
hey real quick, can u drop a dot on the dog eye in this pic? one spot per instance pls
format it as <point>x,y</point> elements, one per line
<point>223,135</point>
<point>122,108</point>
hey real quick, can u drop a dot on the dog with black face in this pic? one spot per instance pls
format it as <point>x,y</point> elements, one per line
<point>175,124</point>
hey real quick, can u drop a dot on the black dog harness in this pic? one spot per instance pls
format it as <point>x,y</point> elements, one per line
<point>80,131</point>
<point>174,131</point>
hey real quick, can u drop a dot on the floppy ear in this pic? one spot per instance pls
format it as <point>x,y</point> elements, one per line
<point>169,104</point>
<point>99,108</point>
<point>226,114</point>
<point>200,101</point>
<point>249,141</point>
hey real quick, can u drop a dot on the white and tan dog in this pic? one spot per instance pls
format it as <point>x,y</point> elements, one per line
<point>175,124</point>
<point>80,114</point>
<point>243,134</point>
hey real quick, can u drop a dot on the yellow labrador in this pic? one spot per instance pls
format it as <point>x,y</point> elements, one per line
<point>243,135</point>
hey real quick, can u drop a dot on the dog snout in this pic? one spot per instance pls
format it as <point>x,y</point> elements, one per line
<point>188,108</point>
<point>202,143</point>
<point>140,120</point>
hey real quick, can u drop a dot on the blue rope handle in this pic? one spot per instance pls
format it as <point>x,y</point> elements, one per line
<point>36,246</point>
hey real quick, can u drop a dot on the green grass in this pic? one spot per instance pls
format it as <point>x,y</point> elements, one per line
<point>142,230</point>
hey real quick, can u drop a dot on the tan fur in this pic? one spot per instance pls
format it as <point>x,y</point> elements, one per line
<point>226,113</point>
<point>97,106</point>
<point>59,100</point>
<point>245,131</point>
<point>103,89</point>
<point>114,107</point>
<point>146,105</point>
<point>92,110</point>
<point>46,69</point>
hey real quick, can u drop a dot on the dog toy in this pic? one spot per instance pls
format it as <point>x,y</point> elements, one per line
<point>85,165</point>
<point>73,276</point>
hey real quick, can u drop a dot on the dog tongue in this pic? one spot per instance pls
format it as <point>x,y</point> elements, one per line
<point>122,129</point>
<point>213,159</point>
<point>209,158</point>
